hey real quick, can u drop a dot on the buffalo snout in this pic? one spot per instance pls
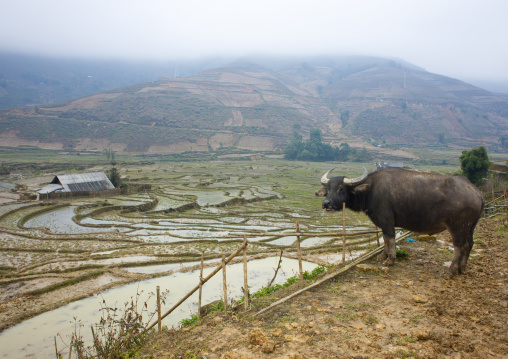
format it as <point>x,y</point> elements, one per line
<point>328,205</point>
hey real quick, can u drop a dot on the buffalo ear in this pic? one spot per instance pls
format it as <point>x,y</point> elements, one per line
<point>322,192</point>
<point>360,189</point>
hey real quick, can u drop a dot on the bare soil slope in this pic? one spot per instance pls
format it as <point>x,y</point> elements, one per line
<point>411,310</point>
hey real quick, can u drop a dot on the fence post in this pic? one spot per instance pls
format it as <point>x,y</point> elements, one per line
<point>56,349</point>
<point>159,321</point>
<point>299,250</point>
<point>505,201</point>
<point>245,283</point>
<point>200,285</point>
<point>343,232</point>
<point>224,283</point>
<point>210,275</point>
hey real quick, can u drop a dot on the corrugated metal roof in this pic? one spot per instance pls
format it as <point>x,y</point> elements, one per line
<point>92,181</point>
<point>50,188</point>
<point>390,164</point>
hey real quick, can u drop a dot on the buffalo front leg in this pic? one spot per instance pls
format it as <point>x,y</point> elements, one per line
<point>388,254</point>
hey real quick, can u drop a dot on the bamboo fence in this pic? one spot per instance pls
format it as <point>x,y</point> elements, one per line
<point>491,208</point>
<point>495,206</point>
<point>243,248</point>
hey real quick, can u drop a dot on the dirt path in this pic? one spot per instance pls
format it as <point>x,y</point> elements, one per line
<point>413,310</point>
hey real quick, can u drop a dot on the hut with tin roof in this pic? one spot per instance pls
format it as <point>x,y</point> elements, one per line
<point>78,182</point>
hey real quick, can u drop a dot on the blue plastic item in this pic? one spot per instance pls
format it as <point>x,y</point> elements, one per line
<point>411,240</point>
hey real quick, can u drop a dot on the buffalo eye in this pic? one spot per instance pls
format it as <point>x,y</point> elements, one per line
<point>340,189</point>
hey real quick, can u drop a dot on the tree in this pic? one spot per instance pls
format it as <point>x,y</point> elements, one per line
<point>295,146</point>
<point>292,149</point>
<point>109,153</point>
<point>315,150</point>
<point>344,118</point>
<point>315,135</point>
<point>344,152</point>
<point>113,175</point>
<point>475,164</point>
<point>361,155</point>
<point>504,141</point>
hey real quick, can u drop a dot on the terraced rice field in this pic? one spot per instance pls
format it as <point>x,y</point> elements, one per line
<point>55,252</point>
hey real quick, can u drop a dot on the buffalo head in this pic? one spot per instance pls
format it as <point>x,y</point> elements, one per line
<point>340,189</point>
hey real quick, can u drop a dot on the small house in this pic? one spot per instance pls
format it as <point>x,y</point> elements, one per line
<point>78,182</point>
<point>381,165</point>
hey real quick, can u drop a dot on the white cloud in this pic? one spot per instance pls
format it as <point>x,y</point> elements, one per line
<point>456,37</point>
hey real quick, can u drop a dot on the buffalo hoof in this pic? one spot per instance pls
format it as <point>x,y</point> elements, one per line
<point>451,274</point>
<point>389,261</point>
<point>462,268</point>
<point>453,270</point>
<point>382,256</point>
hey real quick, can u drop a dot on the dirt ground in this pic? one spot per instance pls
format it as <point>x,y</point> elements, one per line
<point>411,310</point>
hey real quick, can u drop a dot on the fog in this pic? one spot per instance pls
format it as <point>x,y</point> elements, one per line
<point>458,38</point>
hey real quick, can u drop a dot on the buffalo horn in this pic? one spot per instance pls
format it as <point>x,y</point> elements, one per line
<point>325,179</point>
<point>357,180</point>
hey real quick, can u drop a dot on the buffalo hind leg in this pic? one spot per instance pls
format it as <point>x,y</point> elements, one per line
<point>468,246</point>
<point>462,245</point>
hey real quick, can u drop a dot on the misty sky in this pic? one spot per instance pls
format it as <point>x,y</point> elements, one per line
<point>466,39</point>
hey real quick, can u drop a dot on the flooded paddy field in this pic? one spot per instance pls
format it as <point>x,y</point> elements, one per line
<point>53,253</point>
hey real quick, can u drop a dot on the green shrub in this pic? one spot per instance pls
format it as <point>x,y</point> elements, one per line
<point>475,164</point>
<point>189,321</point>
<point>266,291</point>
<point>401,254</point>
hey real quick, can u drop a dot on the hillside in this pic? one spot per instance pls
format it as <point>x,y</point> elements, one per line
<point>28,80</point>
<point>254,105</point>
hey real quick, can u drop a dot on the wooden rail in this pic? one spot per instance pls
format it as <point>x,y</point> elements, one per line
<point>331,275</point>
<point>243,247</point>
<point>302,234</point>
<point>215,271</point>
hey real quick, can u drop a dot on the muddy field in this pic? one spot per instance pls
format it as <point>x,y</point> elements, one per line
<point>411,310</point>
<point>59,251</point>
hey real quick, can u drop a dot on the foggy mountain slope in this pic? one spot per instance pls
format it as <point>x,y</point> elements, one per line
<point>254,106</point>
<point>27,80</point>
<point>400,105</point>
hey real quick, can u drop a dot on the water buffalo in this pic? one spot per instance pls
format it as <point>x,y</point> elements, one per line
<point>421,202</point>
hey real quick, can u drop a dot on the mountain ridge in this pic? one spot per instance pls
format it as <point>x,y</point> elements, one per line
<point>251,106</point>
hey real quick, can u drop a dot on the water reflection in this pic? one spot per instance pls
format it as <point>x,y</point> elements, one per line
<point>35,337</point>
<point>60,221</point>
